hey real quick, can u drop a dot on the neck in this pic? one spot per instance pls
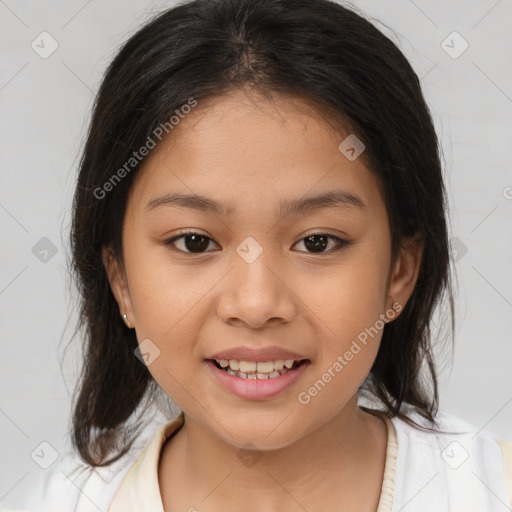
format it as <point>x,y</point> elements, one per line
<point>341,460</point>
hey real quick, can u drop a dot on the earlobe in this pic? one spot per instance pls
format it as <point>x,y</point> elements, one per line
<point>405,272</point>
<point>118,285</point>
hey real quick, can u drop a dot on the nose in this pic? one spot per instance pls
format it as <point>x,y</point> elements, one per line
<point>256,293</point>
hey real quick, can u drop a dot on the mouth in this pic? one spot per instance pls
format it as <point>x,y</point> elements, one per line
<point>258,370</point>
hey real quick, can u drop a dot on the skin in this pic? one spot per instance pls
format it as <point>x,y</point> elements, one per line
<point>328,454</point>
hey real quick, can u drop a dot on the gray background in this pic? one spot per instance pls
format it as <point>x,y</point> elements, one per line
<point>45,111</point>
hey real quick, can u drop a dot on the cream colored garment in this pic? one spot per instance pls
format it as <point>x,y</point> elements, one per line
<point>506,448</point>
<point>140,492</point>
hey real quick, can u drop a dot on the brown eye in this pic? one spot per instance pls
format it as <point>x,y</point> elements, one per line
<point>191,242</point>
<point>197,243</point>
<point>318,242</point>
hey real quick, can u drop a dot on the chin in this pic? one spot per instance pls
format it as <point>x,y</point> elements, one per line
<point>262,430</point>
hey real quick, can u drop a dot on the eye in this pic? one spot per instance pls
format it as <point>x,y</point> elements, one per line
<point>316,242</point>
<point>197,243</point>
<point>193,242</point>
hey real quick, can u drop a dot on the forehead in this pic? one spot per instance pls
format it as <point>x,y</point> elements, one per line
<point>241,148</point>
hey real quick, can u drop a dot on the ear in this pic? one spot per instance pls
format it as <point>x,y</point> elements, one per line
<point>405,271</point>
<point>118,284</point>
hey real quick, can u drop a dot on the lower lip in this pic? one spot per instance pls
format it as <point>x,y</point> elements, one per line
<point>256,389</point>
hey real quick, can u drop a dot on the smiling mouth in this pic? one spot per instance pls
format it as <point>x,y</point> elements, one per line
<point>261,371</point>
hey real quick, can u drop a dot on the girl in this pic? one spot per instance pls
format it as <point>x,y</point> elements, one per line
<point>259,232</point>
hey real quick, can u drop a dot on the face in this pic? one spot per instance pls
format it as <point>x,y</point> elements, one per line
<point>267,270</point>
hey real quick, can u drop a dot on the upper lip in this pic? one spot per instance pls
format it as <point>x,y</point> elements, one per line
<point>257,354</point>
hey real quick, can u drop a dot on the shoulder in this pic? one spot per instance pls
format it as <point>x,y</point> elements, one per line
<point>448,429</point>
<point>456,465</point>
<point>73,485</point>
<point>451,438</point>
<point>70,484</point>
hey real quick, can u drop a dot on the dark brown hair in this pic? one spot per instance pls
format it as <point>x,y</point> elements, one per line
<point>314,49</point>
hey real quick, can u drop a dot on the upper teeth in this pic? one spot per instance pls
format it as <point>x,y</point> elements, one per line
<point>253,366</point>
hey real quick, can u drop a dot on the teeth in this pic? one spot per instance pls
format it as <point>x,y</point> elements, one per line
<point>256,370</point>
<point>253,366</point>
<point>247,366</point>
<point>260,366</point>
<point>278,364</point>
<point>264,366</point>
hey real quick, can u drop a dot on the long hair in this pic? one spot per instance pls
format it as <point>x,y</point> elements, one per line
<point>318,50</point>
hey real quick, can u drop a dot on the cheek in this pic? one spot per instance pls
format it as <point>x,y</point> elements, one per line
<point>168,310</point>
<point>348,305</point>
<point>163,293</point>
<point>170,318</point>
<point>350,297</point>
<point>349,332</point>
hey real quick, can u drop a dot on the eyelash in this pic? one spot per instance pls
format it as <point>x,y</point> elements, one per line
<point>341,243</point>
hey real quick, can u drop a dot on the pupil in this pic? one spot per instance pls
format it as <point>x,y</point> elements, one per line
<point>315,245</point>
<point>196,242</point>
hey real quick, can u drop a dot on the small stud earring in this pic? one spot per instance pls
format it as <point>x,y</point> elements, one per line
<point>126,320</point>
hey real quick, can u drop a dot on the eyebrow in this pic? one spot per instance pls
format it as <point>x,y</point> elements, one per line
<point>332,199</point>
